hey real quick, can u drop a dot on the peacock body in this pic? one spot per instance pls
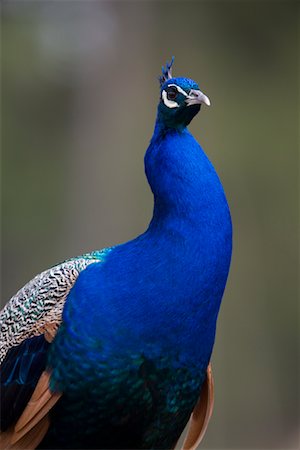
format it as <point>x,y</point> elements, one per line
<point>133,325</point>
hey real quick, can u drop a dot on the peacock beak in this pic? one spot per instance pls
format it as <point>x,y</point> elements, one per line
<point>196,97</point>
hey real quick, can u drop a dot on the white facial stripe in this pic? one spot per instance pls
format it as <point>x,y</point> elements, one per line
<point>179,89</point>
<point>167,102</point>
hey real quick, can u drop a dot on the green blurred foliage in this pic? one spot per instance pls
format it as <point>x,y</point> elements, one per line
<point>79,97</point>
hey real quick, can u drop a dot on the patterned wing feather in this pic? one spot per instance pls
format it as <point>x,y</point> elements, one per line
<point>41,301</point>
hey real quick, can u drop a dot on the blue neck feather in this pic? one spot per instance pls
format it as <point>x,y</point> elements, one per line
<point>186,188</point>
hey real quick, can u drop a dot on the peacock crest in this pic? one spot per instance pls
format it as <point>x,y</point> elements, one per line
<point>166,72</point>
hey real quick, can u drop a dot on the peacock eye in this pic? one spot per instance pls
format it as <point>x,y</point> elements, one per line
<point>172,93</point>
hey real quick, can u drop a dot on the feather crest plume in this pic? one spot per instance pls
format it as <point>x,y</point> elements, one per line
<point>166,72</point>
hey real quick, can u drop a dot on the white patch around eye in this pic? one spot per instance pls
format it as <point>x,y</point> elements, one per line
<point>179,89</point>
<point>167,102</point>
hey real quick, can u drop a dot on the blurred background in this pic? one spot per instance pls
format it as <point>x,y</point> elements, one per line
<point>79,97</point>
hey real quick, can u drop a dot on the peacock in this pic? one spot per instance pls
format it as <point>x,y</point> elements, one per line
<point>111,349</point>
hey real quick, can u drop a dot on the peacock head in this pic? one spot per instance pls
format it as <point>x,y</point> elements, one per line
<point>180,99</point>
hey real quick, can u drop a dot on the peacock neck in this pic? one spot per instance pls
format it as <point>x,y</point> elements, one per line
<point>187,191</point>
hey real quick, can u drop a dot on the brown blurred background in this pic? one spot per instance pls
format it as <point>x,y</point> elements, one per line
<point>79,97</point>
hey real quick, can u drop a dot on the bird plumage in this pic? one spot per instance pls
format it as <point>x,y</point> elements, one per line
<point>136,322</point>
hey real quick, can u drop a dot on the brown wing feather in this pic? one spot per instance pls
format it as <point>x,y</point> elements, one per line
<point>42,400</point>
<point>29,441</point>
<point>34,422</point>
<point>5,438</point>
<point>201,415</point>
